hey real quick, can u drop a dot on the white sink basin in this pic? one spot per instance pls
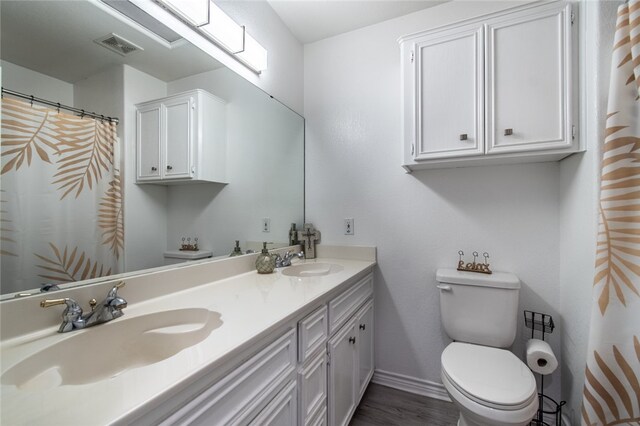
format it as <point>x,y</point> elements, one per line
<point>312,270</point>
<point>106,350</point>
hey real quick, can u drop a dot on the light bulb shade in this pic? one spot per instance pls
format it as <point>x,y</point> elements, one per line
<point>254,55</point>
<point>224,30</point>
<point>195,12</point>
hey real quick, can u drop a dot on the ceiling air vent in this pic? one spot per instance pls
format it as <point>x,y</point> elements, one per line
<point>117,44</point>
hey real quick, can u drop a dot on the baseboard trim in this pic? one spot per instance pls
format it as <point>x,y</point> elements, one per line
<point>410,384</point>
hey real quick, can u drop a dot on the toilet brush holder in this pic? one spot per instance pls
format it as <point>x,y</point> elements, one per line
<point>548,408</point>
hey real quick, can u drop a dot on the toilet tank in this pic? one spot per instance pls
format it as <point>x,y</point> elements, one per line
<point>479,308</point>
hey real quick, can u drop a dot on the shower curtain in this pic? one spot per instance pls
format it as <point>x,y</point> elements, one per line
<point>60,197</point>
<point>611,394</point>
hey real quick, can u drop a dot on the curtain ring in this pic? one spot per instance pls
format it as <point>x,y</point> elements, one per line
<point>31,101</point>
<point>102,119</point>
<point>58,107</point>
<point>82,114</point>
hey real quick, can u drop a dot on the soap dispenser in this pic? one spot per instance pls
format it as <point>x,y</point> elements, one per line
<point>236,250</point>
<point>265,263</point>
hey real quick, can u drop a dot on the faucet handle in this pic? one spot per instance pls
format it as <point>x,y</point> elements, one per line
<point>114,291</point>
<point>72,315</point>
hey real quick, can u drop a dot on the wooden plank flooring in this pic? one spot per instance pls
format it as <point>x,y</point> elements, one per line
<point>381,405</point>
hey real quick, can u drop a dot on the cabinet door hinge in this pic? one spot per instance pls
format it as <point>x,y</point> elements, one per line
<point>573,17</point>
<point>573,132</point>
<point>193,170</point>
<point>412,56</point>
<point>328,358</point>
<point>413,149</point>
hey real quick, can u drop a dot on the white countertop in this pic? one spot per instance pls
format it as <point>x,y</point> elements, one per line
<point>251,305</point>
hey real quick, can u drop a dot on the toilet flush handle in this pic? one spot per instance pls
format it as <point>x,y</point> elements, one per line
<point>444,287</point>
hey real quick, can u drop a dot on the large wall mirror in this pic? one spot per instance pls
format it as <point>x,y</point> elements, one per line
<point>72,211</point>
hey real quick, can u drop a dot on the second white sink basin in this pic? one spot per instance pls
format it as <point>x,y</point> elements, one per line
<point>106,350</point>
<point>312,270</point>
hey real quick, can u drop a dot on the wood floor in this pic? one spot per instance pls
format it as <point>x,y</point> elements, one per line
<point>381,405</point>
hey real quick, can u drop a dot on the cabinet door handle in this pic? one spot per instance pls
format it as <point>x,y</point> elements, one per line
<point>169,168</point>
<point>352,340</point>
<point>508,132</point>
<point>363,326</point>
<point>463,137</point>
<point>153,169</point>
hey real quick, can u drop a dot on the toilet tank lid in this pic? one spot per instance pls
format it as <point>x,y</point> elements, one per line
<point>189,255</point>
<point>497,279</point>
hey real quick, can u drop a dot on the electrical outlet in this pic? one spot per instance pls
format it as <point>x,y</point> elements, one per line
<point>348,226</point>
<point>266,224</point>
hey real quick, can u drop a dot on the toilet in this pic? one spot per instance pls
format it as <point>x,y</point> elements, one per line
<point>488,384</point>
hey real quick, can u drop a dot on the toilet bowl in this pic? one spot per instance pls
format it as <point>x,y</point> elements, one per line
<point>490,386</point>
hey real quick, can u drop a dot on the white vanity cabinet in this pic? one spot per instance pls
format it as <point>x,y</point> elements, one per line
<point>491,90</point>
<point>181,138</point>
<point>350,352</point>
<point>311,373</point>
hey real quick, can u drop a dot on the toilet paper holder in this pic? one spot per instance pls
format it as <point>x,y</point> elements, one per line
<point>537,321</point>
<point>544,324</point>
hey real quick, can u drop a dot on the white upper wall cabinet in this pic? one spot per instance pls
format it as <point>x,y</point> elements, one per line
<point>490,90</point>
<point>181,138</point>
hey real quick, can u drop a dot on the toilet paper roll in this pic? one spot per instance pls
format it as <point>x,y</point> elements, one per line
<point>540,357</point>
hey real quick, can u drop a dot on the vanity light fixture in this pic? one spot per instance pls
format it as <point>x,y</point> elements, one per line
<point>209,20</point>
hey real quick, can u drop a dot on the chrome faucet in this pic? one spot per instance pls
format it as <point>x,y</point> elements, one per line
<point>287,258</point>
<point>73,318</point>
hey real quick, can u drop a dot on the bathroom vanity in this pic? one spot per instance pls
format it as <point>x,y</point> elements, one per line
<point>208,343</point>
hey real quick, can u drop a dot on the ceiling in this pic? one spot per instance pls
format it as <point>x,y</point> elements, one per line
<point>313,20</point>
<point>39,35</point>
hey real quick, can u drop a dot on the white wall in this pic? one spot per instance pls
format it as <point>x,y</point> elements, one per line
<point>264,153</point>
<point>418,221</point>
<point>24,80</point>
<point>578,200</point>
<point>145,208</point>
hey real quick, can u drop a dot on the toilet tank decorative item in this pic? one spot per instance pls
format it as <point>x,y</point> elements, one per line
<point>479,308</point>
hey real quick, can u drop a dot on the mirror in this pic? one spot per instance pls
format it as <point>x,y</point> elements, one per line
<point>49,50</point>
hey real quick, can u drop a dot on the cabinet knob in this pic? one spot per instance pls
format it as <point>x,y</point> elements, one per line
<point>363,326</point>
<point>169,168</point>
<point>352,340</point>
<point>463,137</point>
<point>508,132</point>
<point>153,169</point>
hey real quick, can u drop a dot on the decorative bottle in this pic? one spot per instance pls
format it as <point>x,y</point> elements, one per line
<point>236,250</point>
<point>293,235</point>
<point>265,263</point>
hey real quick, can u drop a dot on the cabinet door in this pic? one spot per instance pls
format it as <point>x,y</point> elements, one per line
<point>364,322</point>
<point>448,94</point>
<point>178,136</point>
<point>528,81</point>
<point>148,142</point>
<point>343,374</point>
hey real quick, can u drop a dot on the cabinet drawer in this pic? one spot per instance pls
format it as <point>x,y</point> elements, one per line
<point>345,305</point>
<point>281,411</point>
<point>312,333</point>
<point>313,388</point>
<point>239,396</point>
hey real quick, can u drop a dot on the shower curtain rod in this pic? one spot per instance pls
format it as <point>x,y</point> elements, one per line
<point>60,106</point>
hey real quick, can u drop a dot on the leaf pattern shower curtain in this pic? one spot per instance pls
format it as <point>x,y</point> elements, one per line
<point>611,394</point>
<point>61,197</point>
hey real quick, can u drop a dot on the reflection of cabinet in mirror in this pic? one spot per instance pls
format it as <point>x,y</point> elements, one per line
<point>181,138</point>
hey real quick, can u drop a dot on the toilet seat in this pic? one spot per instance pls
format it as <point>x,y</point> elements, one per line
<point>491,377</point>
